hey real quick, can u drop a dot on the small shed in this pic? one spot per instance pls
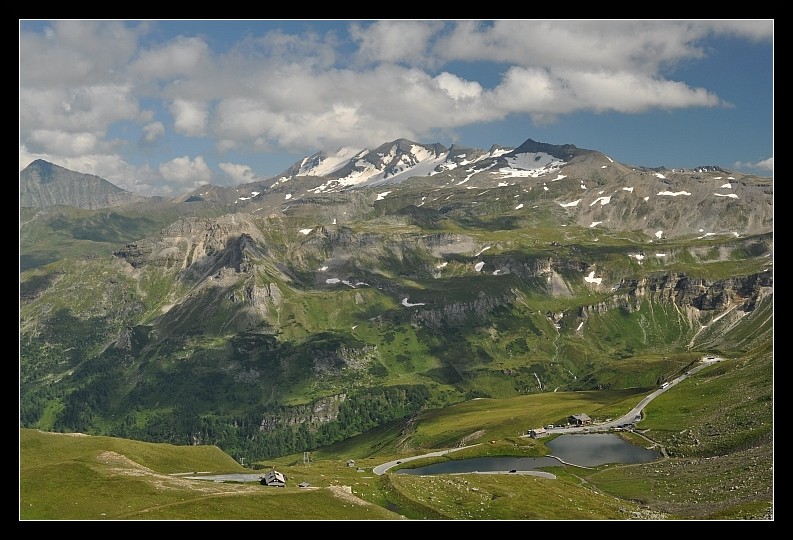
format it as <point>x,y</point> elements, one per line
<point>580,419</point>
<point>351,463</point>
<point>537,433</point>
<point>273,478</point>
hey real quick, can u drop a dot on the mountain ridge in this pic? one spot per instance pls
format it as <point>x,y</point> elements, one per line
<point>43,184</point>
<point>388,164</point>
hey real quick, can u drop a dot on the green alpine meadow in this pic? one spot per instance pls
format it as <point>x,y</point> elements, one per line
<point>320,329</point>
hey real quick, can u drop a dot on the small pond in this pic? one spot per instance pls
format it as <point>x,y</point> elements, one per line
<point>586,450</point>
<point>595,449</point>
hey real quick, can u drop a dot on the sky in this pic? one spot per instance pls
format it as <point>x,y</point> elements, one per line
<point>161,107</point>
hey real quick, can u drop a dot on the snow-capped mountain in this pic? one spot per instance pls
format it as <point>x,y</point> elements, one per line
<point>393,162</point>
<point>587,186</point>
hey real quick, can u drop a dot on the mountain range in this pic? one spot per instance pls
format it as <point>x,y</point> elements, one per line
<point>626,197</point>
<point>356,290</point>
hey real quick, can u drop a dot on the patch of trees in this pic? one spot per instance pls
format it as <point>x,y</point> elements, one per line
<point>242,435</point>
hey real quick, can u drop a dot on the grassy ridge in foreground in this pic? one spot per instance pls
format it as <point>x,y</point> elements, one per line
<point>93,478</point>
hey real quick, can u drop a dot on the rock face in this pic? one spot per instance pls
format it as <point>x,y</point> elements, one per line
<point>285,307</point>
<point>319,412</point>
<point>684,292</point>
<point>199,247</point>
<point>43,184</point>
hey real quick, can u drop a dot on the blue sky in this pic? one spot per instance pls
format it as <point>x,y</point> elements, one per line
<point>160,107</point>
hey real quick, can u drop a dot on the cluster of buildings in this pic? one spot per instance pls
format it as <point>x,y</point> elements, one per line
<point>580,419</point>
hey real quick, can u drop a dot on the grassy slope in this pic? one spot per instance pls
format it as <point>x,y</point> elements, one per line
<point>721,450</point>
<point>723,477</point>
<point>717,427</point>
<point>95,478</point>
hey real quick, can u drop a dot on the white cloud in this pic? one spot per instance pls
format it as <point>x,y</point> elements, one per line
<point>763,165</point>
<point>190,118</point>
<point>82,83</point>
<point>458,88</point>
<point>76,53</point>
<point>307,51</point>
<point>528,90</point>
<point>186,172</point>
<point>181,57</point>
<point>640,45</point>
<point>64,143</point>
<point>153,132</point>
<point>394,41</point>
<point>88,109</point>
<point>631,92</point>
<point>240,174</point>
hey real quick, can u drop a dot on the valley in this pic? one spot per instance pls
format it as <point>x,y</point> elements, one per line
<point>411,313</point>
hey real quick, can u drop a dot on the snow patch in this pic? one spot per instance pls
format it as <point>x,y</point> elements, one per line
<point>592,279</point>
<point>567,205</point>
<point>602,200</point>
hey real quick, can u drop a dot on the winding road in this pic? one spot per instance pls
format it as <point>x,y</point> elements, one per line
<point>631,417</point>
<point>635,414</point>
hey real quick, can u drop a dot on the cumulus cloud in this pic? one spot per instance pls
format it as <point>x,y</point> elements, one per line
<point>189,117</point>
<point>64,143</point>
<point>152,132</point>
<point>763,165</point>
<point>240,174</point>
<point>178,58</point>
<point>76,53</point>
<point>458,88</point>
<point>395,41</point>
<point>632,92</point>
<point>186,172</point>
<point>84,82</point>
<point>86,109</point>
<point>592,45</point>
